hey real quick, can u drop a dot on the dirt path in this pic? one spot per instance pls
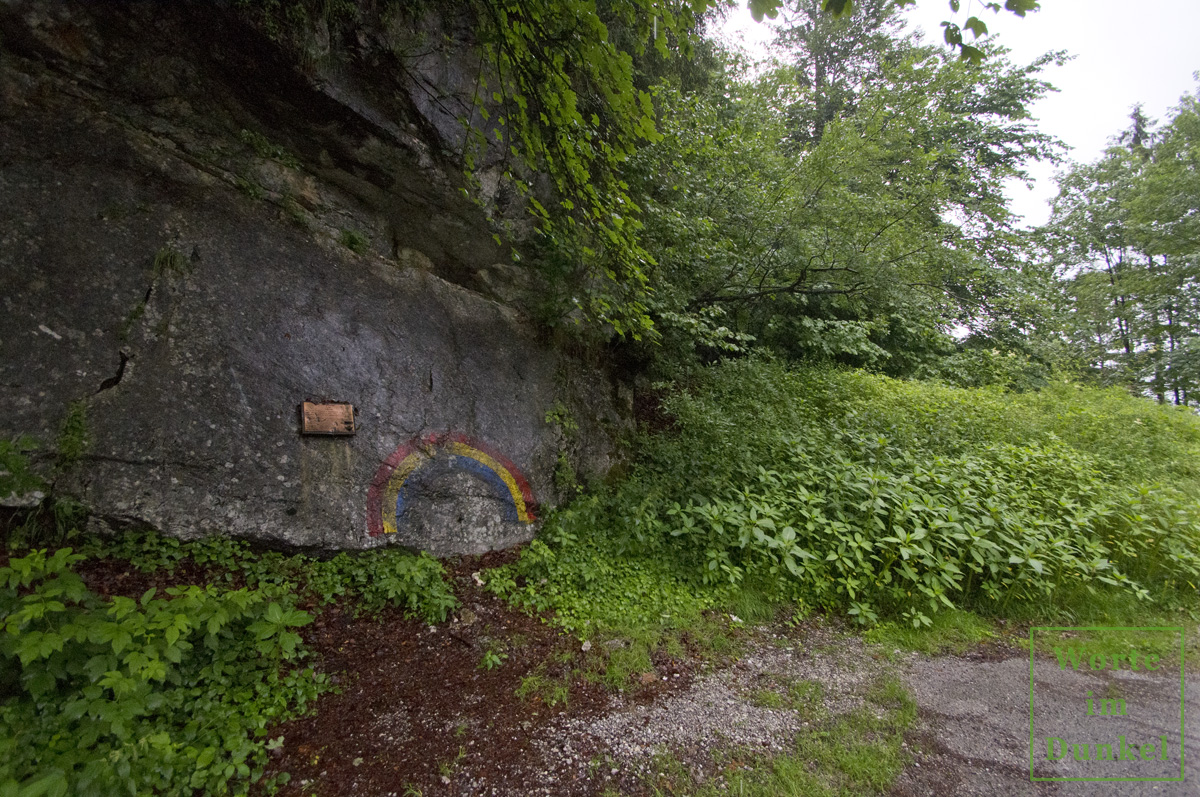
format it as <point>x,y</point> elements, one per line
<point>422,713</point>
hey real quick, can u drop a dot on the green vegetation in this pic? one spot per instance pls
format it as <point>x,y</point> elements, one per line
<point>170,262</point>
<point>538,685</point>
<point>1121,641</point>
<point>130,321</point>
<point>860,754</point>
<point>949,631</point>
<point>806,697</point>
<point>855,754</point>
<point>73,436</point>
<point>133,696</point>
<point>355,241</point>
<point>373,580</point>
<point>767,698</point>
<point>101,696</point>
<point>1122,245</point>
<point>917,509</point>
<point>823,237</point>
<point>17,477</point>
<point>884,499</point>
<point>748,235</point>
<point>294,211</point>
<point>566,428</point>
<point>262,146</point>
<point>841,203</point>
<point>49,516</point>
<point>250,187</point>
<point>566,89</point>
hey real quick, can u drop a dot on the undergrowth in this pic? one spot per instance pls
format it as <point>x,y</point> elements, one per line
<point>625,607</point>
<point>953,631</point>
<point>158,695</point>
<point>373,580</point>
<point>884,500</point>
<point>170,693</point>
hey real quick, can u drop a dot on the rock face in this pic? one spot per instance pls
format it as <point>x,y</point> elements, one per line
<point>196,237</point>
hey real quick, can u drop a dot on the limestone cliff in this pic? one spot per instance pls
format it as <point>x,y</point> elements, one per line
<point>201,228</point>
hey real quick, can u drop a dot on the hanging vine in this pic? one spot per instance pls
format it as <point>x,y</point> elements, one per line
<point>568,107</point>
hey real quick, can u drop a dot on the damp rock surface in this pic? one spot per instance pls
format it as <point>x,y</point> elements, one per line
<point>197,235</point>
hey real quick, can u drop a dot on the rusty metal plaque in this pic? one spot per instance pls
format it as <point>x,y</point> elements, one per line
<point>331,418</point>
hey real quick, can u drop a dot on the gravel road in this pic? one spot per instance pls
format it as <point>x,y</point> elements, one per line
<point>975,713</point>
<point>972,737</point>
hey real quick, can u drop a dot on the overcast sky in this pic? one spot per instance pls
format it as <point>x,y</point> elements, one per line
<point>1127,51</point>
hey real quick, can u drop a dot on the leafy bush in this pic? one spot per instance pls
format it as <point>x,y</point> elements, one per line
<point>885,498</point>
<point>376,579</point>
<point>171,694</point>
<point>1129,438</point>
<point>166,695</point>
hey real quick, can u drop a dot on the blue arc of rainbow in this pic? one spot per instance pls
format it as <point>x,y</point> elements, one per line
<point>387,496</point>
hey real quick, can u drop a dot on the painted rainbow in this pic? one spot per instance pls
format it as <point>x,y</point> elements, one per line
<point>432,455</point>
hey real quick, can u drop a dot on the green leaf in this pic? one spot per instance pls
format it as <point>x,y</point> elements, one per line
<point>206,757</point>
<point>972,55</point>
<point>54,784</point>
<point>764,8</point>
<point>1020,7</point>
<point>120,639</point>
<point>976,26</point>
<point>952,34</point>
